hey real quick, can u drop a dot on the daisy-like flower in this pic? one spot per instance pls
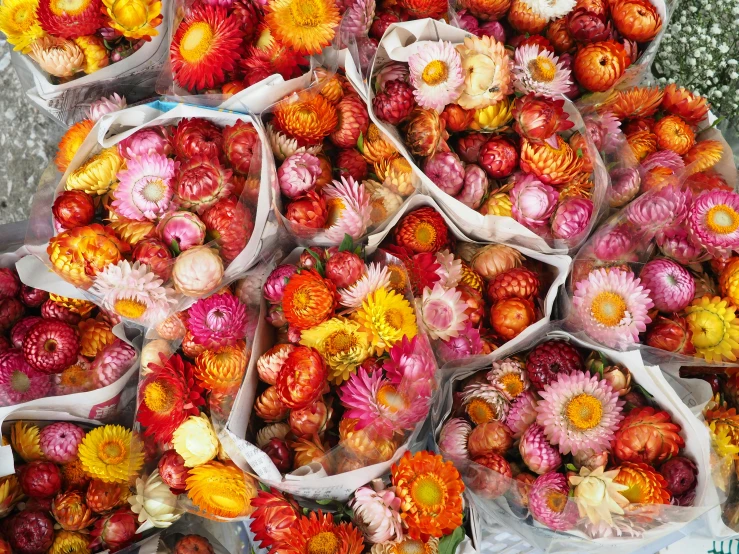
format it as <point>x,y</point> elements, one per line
<point>388,317</point>
<point>375,277</point>
<point>19,24</point>
<point>221,489</point>
<point>133,291</point>
<point>509,376</point>
<point>307,26</point>
<point>713,221</point>
<point>349,209</point>
<point>486,68</point>
<point>549,502</point>
<point>597,496</point>
<point>612,306</point>
<point>318,533</point>
<point>443,312</point>
<point>715,329</point>
<point>57,56</point>
<point>377,514</point>
<point>450,269</point>
<point>411,366</point>
<point>111,453</point>
<point>540,72</point>
<point>436,75</point>
<point>483,403</point>
<point>550,9</point>
<point>341,343</point>
<point>579,412</point>
<point>218,320</point>
<point>145,189</point>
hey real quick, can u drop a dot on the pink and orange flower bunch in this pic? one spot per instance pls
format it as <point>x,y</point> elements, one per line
<point>337,172</point>
<point>190,377</point>
<point>51,345</point>
<point>471,298</point>
<point>571,439</point>
<point>71,39</point>
<point>498,153</point>
<point>70,492</point>
<point>421,505</point>
<point>157,215</point>
<point>350,367</point>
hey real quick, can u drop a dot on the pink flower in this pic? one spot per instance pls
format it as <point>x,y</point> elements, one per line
<point>615,244</point>
<point>713,221</point>
<point>218,320</point>
<point>676,243</point>
<point>394,71</point>
<point>411,365</point>
<point>443,312</point>
<point>298,173</point>
<point>467,343</point>
<point>106,105</point>
<point>549,502</point>
<point>572,217</point>
<point>377,515</point>
<point>671,286</point>
<point>663,158</point>
<point>522,413</point>
<point>146,187</point>
<point>475,186</point>
<point>664,207</point>
<point>446,171</point>
<point>625,184</point>
<point>536,452</point>
<point>19,382</point>
<point>453,438</point>
<point>59,441</point>
<point>533,202</point>
<point>274,286</point>
<point>181,230</point>
<point>349,209</point>
<point>152,140</point>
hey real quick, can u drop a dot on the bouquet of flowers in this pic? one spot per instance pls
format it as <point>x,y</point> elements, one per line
<point>581,441</point>
<point>417,508</point>
<point>165,211</point>
<point>484,151</point>
<point>192,369</point>
<point>349,379</point>
<point>70,492</point>
<point>189,535</point>
<point>472,298</point>
<point>338,174</point>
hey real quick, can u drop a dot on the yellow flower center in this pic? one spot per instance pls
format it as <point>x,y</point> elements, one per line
<point>130,14</point>
<point>480,411</point>
<point>435,73</point>
<point>608,308</point>
<point>339,342</point>
<point>196,43</point>
<point>111,452</point>
<point>154,189</point>
<point>584,411</point>
<point>393,318</point>
<point>69,7</point>
<point>24,18</point>
<point>129,307</point>
<point>512,384</point>
<point>427,492</point>
<point>159,397</point>
<point>335,207</point>
<point>389,398</point>
<point>400,165</point>
<point>556,501</point>
<point>542,69</point>
<point>324,543</point>
<point>301,300</point>
<point>410,546</point>
<point>397,277</point>
<point>708,329</point>
<point>50,345</point>
<point>379,211</point>
<point>73,376</point>
<point>722,219</point>
<point>373,133</point>
<point>425,234</point>
<point>19,382</point>
<point>307,13</point>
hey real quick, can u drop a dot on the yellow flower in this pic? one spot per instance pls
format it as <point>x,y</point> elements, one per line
<point>96,55</point>
<point>111,453</point>
<point>387,317</point>
<point>307,26</point>
<point>24,437</point>
<point>19,23</point>
<point>69,542</point>
<point>493,117</point>
<point>134,18</point>
<point>98,174</point>
<point>76,305</point>
<point>196,441</point>
<point>10,494</point>
<point>221,489</point>
<point>498,203</point>
<point>396,174</point>
<point>342,345</point>
<point>715,329</point>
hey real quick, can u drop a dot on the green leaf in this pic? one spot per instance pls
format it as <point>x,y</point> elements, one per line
<point>642,390</point>
<point>347,244</point>
<point>579,152</point>
<point>319,263</point>
<point>360,143</point>
<point>264,487</point>
<point>324,502</point>
<point>571,467</point>
<point>175,246</point>
<point>449,543</point>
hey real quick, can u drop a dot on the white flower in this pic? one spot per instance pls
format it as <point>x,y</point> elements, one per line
<point>540,72</point>
<point>375,277</point>
<point>551,9</point>
<point>442,312</point>
<point>154,503</point>
<point>450,270</point>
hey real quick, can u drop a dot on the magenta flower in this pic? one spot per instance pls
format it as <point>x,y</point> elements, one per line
<point>713,221</point>
<point>181,230</point>
<point>475,186</point>
<point>152,140</point>
<point>671,286</point>
<point>572,217</point>
<point>218,320</point>
<point>615,244</point>
<point>549,502</point>
<point>298,173</point>
<point>446,171</point>
<point>676,243</point>
<point>533,202</point>
<point>467,343</point>
<point>274,286</point>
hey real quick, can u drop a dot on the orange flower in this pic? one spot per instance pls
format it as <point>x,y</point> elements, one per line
<point>76,305</point>
<point>221,489</point>
<point>70,143</point>
<point>319,534</point>
<point>269,407</point>
<point>94,336</point>
<point>635,102</point>
<point>369,450</point>
<point>636,20</point>
<point>471,278</point>
<point>308,299</point>
<point>96,55</point>
<point>554,166</point>
<point>523,19</point>
<point>646,486</point>
<point>656,178</point>
<point>422,230</point>
<point>374,147</point>
<point>486,9</point>
<point>681,102</point>
<point>642,144</point>
<point>579,144</point>
<point>308,119</point>
<point>221,370</point>
<point>430,492</point>
<point>599,65</point>
<point>703,155</point>
<point>674,134</point>
<point>559,36</point>
<point>302,378</point>
<point>707,180</point>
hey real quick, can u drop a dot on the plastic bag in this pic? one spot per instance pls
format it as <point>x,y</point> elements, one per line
<point>242,221</point>
<point>582,182</point>
<point>363,453</point>
<point>547,271</point>
<point>499,498</point>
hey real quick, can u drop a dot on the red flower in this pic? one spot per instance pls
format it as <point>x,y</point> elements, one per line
<point>272,517</point>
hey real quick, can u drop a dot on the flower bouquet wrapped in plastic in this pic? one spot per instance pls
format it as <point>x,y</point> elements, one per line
<point>473,298</point>
<point>340,379</point>
<point>418,507</point>
<point>164,211</point>
<point>70,54</point>
<point>576,449</point>
<point>337,173</point>
<point>518,169</point>
<point>193,367</point>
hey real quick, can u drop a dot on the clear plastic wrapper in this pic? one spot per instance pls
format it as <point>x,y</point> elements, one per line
<point>570,511</point>
<point>552,206</point>
<point>204,223</point>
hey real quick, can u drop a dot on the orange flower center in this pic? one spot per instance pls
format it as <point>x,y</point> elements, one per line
<point>307,13</point>
<point>584,411</point>
<point>19,382</point>
<point>480,411</point>
<point>400,165</point>
<point>335,207</point>
<point>556,501</point>
<point>196,42</point>
<point>393,318</point>
<point>159,397</point>
<point>389,398</point>
<point>50,345</point>
<point>324,543</point>
<point>425,234</point>
<point>24,18</point>
<point>69,7</point>
<point>542,69</point>
<point>608,308</point>
<point>435,73</point>
<point>129,307</point>
<point>722,219</point>
<point>373,133</point>
<point>410,546</point>
<point>427,491</point>
<point>379,211</point>
<point>301,300</point>
<point>398,280</point>
<point>511,383</point>
<point>339,342</point>
<point>73,376</point>
<point>112,452</point>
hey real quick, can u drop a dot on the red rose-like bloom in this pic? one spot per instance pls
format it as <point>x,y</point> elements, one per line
<point>350,163</point>
<point>201,182</point>
<point>538,118</point>
<point>309,211</point>
<point>302,378</point>
<point>197,137</point>
<point>10,283</point>
<point>51,346</point>
<point>672,334</point>
<point>395,103</point>
<point>173,471</point>
<point>280,454</point>
<point>647,435</point>
<point>193,544</point>
<point>587,27</point>
<point>230,223</point>
<point>73,208</point>
<point>33,298</point>
<point>115,530</point>
<point>498,157</point>
<point>156,255</point>
<point>353,121</point>
<point>41,479</point>
<point>308,299</point>
<point>239,143</point>
<point>273,515</point>
<point>456,118</point>
<point>469,145</point>
<point>30,532</point>
<point>422,268</point>
<point>344,269</point>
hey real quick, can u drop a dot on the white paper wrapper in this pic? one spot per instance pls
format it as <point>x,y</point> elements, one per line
<point>673,518</point>
<point>109,131</point>
<point>400,41</point>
